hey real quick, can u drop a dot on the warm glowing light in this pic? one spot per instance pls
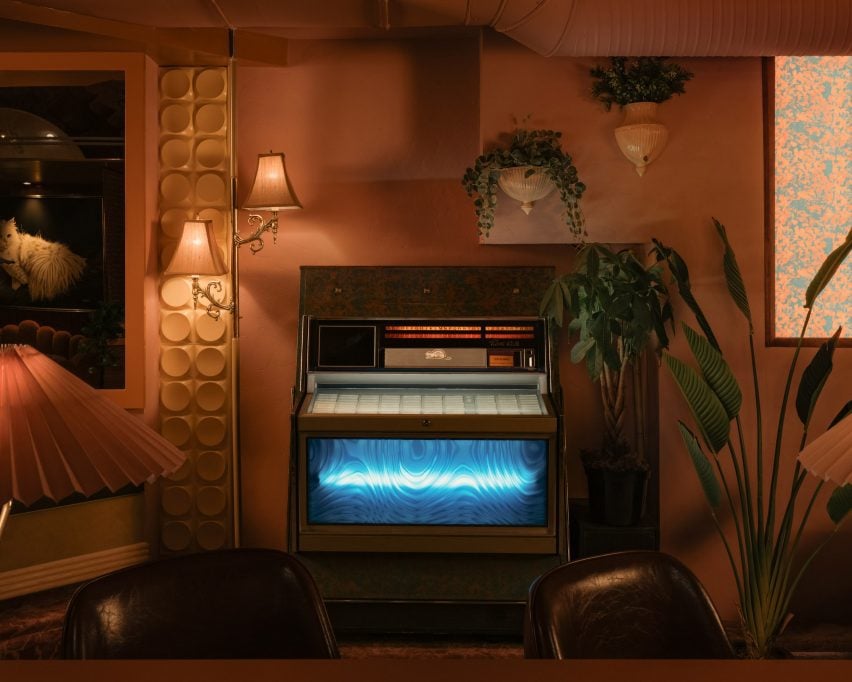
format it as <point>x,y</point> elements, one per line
<point>444,481</point>
<point>396,335</point>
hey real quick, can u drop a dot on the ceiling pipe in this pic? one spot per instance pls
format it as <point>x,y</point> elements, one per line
<point>685,28</point>
<point>675,28</point>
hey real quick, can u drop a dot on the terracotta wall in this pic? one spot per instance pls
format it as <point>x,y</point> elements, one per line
<point>377,136</point>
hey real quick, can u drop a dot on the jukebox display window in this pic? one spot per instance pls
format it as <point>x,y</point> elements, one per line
<point>427,481</point>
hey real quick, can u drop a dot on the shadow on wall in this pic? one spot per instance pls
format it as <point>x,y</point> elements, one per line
<point>815,597</point>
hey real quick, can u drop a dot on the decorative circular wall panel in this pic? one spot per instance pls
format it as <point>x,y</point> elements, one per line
<point>195,372</point>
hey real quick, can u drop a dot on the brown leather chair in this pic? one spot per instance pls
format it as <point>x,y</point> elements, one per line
<point>623,605</point>
<point>240,603</point>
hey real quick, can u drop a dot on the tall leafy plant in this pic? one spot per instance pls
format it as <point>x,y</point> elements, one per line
<point>618,308</point>
<point>764,549</point>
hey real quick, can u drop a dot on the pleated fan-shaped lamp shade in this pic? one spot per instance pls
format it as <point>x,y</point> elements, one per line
<point>197,252</point>
<point>829,456</point>
<point>60,436</point>
<point>271,189</point>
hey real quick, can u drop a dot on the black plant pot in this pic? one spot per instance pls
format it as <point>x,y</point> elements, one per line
<point>617,498</point>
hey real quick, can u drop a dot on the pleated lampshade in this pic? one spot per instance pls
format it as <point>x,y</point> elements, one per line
<point>829,456</point>
<point>197,252</point>
<point>60,436</point>
<point>271,189</point>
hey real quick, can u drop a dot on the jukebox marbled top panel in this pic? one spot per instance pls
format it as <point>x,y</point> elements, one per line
<point>403,291</point>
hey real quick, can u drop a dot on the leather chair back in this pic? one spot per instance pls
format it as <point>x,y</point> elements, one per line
<point>624,605</point>
<point>240,603</point>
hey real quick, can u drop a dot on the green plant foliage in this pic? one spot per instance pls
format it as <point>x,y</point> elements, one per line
<point>540,149</point>
<point>827,270</point>
<point>703,469</point>
<point>715,370</point>
<point>768,535</point>
<point>680,273</point>
<point>814,378</point>
<point>618,308</point>
<point>643,79</point>
<point>840,503</point>
<point>104,326</point>
<point>733,277</point>
<point>705,406</point>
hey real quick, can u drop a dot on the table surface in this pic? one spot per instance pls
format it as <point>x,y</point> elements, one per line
<point>427,670</point>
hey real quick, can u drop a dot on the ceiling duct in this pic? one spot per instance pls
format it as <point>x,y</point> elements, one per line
<point>563,28</point>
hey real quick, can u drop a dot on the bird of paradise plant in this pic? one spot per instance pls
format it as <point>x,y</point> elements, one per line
<point>763,551</point>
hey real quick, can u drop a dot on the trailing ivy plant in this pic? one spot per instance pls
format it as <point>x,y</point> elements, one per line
<point>763,552</point>
<point>539,149</point>
<point>643,79</point>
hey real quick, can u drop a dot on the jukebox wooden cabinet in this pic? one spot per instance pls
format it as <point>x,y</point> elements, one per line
<point>426,464</point>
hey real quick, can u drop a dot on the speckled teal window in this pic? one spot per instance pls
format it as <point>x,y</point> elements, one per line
<point>813,167</point>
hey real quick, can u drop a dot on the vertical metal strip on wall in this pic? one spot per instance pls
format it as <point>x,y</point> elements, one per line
<point>195,354</point>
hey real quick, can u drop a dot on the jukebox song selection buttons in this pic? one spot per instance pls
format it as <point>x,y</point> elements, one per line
<point>428,401</point>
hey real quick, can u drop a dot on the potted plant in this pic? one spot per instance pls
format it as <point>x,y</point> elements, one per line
<point>536,159</point>
<point>618,308</point>
<point>638,86</point>
<point>643,79</point>
<point>105,325</point>
<point>763,552</point>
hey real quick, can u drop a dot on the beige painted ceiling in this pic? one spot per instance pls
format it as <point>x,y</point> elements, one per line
<point>549,27</point>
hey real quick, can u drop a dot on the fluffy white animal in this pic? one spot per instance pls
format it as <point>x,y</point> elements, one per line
<point>48,268</point>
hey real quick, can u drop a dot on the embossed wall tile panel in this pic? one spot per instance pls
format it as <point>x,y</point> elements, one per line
<point>196,508</point>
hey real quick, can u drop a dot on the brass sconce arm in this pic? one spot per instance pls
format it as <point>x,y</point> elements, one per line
<point>254,240</point>
<point>215,305</point>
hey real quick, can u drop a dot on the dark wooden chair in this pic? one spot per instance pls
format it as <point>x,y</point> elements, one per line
<point>623,605</point>
<point>240,603</point>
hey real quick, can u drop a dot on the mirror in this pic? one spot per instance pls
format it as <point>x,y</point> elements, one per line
<point>71,262</point>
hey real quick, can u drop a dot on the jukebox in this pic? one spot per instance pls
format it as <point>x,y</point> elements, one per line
<point>426,454</point>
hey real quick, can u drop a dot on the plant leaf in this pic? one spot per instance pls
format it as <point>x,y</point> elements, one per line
<point>716,371</point>
<point>706,408</point>
<point>814,378</point>
<point>733,277</point>
<point>558,305</point>
<point>579,349</point>
<point>546,300</point>
<point>840,503</point>
<point>706,475</point>
<point>677,266</point>
<point>845,410</point>
<point>827,270</point>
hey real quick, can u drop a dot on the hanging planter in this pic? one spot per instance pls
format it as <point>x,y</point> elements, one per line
<point>527,170</point>
<point>526,184</point>
<point>638,87</point>
<point>641,138</point>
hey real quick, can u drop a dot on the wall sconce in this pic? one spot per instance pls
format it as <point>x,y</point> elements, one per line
<point>270,191</point>
<point>197,253</point>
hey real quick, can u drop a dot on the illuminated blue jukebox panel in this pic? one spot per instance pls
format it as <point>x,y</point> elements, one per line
<point>427,481</point>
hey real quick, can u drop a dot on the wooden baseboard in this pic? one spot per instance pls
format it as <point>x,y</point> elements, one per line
<point>72,570</point>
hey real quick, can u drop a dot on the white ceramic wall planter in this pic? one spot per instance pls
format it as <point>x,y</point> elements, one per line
<point>640,136</point>
<point>527,189</point>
